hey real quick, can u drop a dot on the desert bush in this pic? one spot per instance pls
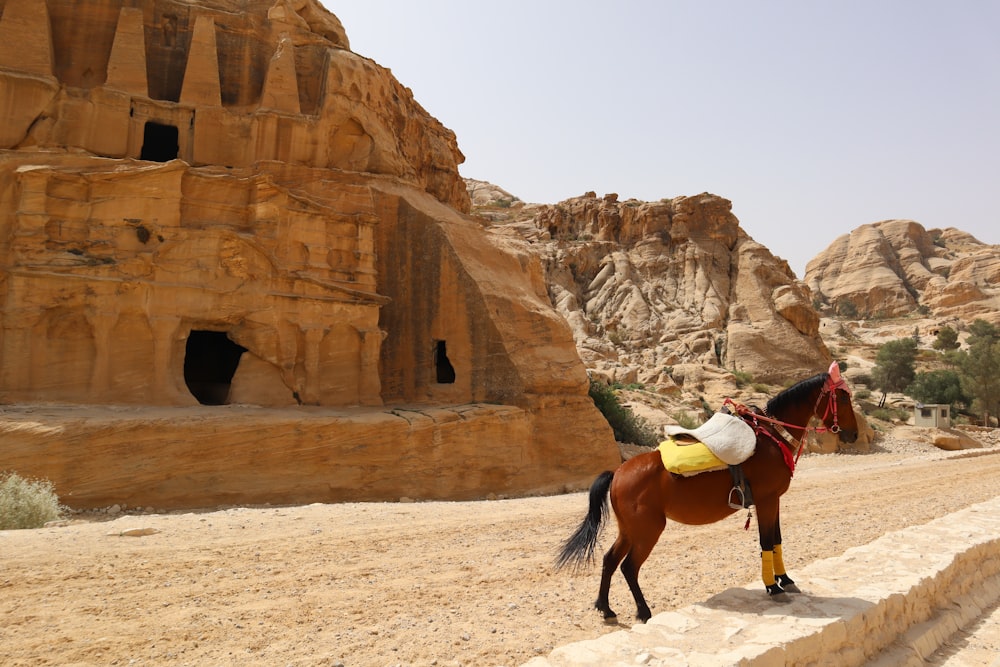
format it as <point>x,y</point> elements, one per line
<point>891,414</point>
<point>847,309</point>
<point>885,414</point>
<point>628,426</point>
<point>26,503</point>
<point>743,378</point>
<point>686,420</point>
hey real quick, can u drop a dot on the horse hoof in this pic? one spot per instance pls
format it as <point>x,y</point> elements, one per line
<point>611,620</point>
<point>780,598</point>
<point>791,588</point>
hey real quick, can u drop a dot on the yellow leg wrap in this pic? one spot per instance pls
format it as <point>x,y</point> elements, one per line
<point>779,563</point>
<point>767,567</point>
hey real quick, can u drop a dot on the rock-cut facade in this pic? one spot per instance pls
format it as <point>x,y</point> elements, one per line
<point>218,202</point>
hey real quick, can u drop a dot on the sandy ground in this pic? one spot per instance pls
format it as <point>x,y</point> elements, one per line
<point>467,583</point>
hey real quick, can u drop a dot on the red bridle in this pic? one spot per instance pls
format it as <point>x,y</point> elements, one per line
<point>830,388</point>
<point>834,381</point>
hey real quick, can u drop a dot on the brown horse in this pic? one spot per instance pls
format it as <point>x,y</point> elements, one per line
<point>644,494</point>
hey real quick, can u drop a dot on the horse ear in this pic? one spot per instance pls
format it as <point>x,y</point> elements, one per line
<point>834,372</point>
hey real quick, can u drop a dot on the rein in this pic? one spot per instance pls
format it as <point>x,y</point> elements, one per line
<point>748,415</point>
<point>829,391</point>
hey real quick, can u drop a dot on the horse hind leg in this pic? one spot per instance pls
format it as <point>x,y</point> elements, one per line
<point>630,569</point>
<point>637,555</point>
<point>610,563</point>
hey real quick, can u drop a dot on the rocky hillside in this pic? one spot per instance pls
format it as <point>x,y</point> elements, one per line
<point>670,294</point>
<point>669,298</point>
<point>896,267</point>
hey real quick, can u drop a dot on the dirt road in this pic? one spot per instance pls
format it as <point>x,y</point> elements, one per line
<point>466,583</point>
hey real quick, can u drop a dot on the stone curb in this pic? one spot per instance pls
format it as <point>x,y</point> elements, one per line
<point>892,602</point>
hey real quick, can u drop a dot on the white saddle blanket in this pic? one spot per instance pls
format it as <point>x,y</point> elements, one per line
<point>730,438</point>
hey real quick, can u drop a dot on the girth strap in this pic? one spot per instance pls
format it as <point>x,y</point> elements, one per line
<point>740,496</point>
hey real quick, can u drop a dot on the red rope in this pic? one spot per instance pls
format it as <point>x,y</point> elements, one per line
<point>785,447</point>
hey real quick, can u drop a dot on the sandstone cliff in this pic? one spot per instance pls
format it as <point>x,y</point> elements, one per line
<point>219,203</point>
<point>663,292</point>
<point>895,267</point>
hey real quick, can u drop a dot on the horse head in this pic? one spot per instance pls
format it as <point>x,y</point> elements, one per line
<point>834,406</point>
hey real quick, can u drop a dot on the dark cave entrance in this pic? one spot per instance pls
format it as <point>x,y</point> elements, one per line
<point>210,361</point>
<point>159,142</point>
<point>445,371</point>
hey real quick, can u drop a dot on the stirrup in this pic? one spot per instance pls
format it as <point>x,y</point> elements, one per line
<point>742,504</point>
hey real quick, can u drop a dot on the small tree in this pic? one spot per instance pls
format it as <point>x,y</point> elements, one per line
<point>981,329</point>
<point>938,387</point>
<point>894,366</point>
<point>628,426</point>
<point>980,367</point>
<point>947,339</point>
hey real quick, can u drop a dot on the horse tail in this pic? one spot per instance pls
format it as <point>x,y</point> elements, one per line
<point>579,548</point>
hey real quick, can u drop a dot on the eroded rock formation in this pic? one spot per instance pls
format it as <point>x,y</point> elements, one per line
<point>653,289</point>
<point>896,267</point>
<point>218,202</point>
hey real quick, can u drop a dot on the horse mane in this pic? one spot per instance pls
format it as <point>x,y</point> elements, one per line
<point>796,393</point>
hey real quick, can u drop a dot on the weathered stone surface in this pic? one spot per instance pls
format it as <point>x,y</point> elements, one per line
<point>649,286</point>
<point>193,457</point>
<point>258,215</point>
<point>892,268</point>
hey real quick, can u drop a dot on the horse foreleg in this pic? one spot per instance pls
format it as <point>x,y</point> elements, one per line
<point>767,522</point>
<point>780,575</point>
<point>610,563</point>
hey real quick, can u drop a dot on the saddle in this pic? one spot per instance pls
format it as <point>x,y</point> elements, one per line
<point>723,441</point>
<point>727,436</point>
<point>685,456</point>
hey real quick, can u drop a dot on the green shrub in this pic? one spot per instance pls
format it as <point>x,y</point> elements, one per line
<point>889,414</point>
<point>628,426</point>
<point>686,420</point>
<point>885,414</point>
<point>847,309</point>
<point>743,378</point>
<point>862,394</point>
<point>26,503</point>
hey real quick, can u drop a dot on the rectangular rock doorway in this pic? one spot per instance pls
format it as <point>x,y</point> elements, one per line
<point>159,142</point>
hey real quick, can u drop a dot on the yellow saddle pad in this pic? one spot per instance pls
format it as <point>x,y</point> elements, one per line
<point>689,459</point>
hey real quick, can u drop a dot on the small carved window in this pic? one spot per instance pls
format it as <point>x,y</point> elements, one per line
<point>159,142</point>
<point>445,371</point>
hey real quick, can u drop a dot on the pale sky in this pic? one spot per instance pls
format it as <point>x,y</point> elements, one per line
<point>812,117</point>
